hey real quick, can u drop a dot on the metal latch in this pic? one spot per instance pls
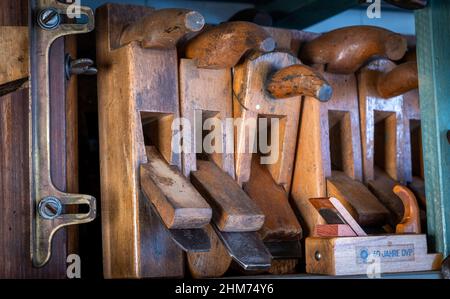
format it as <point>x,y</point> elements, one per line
<point>47,23</point>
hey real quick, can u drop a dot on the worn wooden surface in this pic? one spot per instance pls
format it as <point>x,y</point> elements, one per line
<point>163,28</point>
<point>14,54</point>
<point>133,103</point>
<point>382,188</point>
<point>177,202</point>
<point>329,152</point>
<point>345,255</point>
<point>72,159</point>
<point>250,102</point>
<point>281,223</point>
<point>345,50</point>
<point>414,163</point>
<point>224,45</point>
<point>233,210</point>
<point>14,160</point>
<point>206,93</point>
<point>384,144</point>
<point>357,199</point>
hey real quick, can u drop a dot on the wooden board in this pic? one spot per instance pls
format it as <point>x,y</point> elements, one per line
<point>137,87</point>
<point>329,152</point>
<point>206,91</point>
<point>281,223</point>
<point>233,210</point>
<point>373,109</point>
<point>177,202</point>
<point>365,255</point>
<point>14,160</point>
<point>357,199</point>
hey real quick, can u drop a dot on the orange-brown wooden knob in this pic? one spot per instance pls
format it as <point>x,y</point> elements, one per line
<point>345,50</point>
<point>298,80</point>
<point>223,46</point>
<point>163,28</point>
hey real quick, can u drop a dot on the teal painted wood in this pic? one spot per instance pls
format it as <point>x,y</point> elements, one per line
<point>433,54</point>
<point>298,14</point>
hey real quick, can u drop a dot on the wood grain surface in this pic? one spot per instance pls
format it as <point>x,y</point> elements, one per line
<point>136,107</point>
<point>14,160</point>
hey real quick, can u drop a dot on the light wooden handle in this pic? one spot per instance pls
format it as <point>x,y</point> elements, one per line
<point>163,28</point>
<point>223,46</point>
<point>411,218</point>
<point>345,50</point>
<point>400,80</point>
<point>299,80</point>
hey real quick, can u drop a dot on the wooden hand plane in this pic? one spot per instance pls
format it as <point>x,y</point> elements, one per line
<point>269,87</point>
<point>402,80</point>
<point>329,161</point>
<point>345,249</point>
<point>150,211</point>
<point>206,104</point>
<point>387,125</point>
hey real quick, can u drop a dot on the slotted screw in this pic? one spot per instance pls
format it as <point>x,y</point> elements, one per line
<point>49,18</point>
<point>50,207</point>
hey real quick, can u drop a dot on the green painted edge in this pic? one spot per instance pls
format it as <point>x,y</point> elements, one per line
<point>433,56</point>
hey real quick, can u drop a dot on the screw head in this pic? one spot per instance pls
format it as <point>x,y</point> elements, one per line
<point>48,18</point>
<point>318,256</point>
<point>50,207</point>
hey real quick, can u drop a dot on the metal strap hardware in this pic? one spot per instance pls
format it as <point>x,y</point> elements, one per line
<point>47,202</point>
